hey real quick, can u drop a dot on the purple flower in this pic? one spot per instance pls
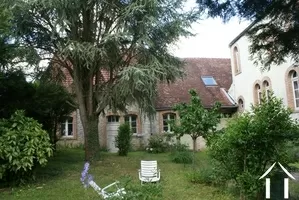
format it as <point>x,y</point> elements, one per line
<point>89,178</point>
<point>85,177</point>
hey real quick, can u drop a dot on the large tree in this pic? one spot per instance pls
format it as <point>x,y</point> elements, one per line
<point>275,35</point>
<point>116,51</point>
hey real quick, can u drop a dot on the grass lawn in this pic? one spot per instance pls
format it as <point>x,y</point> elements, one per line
<point>60,179</point>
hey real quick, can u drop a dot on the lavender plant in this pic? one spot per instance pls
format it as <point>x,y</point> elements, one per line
<point>85,177</point>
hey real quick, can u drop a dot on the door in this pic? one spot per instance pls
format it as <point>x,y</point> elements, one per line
<point>111,130</point>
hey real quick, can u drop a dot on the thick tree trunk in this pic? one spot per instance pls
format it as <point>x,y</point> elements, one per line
<point>88,116</point>
<point>92,143</point>
<point>194,144</point>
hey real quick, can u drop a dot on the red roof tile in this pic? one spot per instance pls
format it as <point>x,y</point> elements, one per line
<point>219,68</point>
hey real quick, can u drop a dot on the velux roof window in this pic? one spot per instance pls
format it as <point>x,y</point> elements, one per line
<point>209,80</point>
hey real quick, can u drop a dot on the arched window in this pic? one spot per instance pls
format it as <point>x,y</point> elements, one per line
<point>258,93</point>
<point>295,88</point>
<point>132,120</point>
<point>236,57</point>
<point>266,87</point>
<point>241,105</point>
<point>166,118</point>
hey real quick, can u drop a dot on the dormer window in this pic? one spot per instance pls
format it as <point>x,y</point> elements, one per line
<point>209,80</point>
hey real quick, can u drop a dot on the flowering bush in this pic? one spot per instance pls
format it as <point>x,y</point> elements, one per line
<point>157,144</point>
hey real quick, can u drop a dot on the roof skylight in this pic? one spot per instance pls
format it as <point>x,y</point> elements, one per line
<point>209,80</point>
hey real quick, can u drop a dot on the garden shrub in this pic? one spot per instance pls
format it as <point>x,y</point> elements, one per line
<point>157,144</point>
<point>180,153</point>
<point>292,149</point>
<point>251,143</point>
<point>147,191</point>
<point>203,175</point>
<point>23,145</point>
<point>123,139</point>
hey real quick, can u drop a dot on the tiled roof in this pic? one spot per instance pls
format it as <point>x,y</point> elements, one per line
<point>219,68</point>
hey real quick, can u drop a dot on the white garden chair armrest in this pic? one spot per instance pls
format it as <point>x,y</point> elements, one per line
<point>112,184</point>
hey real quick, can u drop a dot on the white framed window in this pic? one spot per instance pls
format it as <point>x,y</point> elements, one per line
<point>67,127</point>
<point>112,118</point>
<point>132,120</point>
<point>295,85</point>
<point>166,118</point>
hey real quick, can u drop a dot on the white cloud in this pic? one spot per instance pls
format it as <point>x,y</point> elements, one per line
<point>212,39</point>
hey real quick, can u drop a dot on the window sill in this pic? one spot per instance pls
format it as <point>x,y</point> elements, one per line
<point>168,132</point>
<point>137,135</point>
<point>67,138</point>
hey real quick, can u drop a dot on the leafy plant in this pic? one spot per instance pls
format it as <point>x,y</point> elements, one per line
<point>123,139</point>
<point>157,144</point>
<point>180,153</point>
<point>195,119</point>
<point>205,175</point>
<point>23,145</point>
<point>136,192</point>
<point>252,142</point>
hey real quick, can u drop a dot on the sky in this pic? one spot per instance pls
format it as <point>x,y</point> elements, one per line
<point>212,38</point>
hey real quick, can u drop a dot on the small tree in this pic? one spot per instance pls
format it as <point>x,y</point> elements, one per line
<point>251,142</point>
<point>123,139</point>
<point>196,120</point>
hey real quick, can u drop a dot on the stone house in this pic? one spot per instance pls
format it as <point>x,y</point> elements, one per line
<point>210,77</point>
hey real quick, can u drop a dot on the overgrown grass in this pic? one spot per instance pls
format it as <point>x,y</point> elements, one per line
<point>60,179</point>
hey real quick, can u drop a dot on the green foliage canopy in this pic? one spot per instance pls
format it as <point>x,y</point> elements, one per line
<point>275,35</point>
<point>122,45</point>
<point>46,102</point>
<point>195,119</point>
<point>252,142</point>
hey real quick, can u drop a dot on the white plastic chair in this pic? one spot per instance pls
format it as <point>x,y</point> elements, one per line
<point>149,171</point>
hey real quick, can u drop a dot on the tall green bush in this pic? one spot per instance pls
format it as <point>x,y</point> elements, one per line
<point>251,143</point>
<point>123,139</point>
<point>23,145</point>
